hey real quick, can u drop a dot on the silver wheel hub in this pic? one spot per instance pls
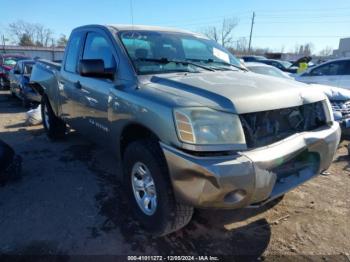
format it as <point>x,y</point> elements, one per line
<point>46,117</point>
<point>144,188</point>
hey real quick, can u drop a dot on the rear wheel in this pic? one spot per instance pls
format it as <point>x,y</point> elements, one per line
<point>149,189</point>
<point>55,128</point>
<point>2,83</point>
<point>25,102</point>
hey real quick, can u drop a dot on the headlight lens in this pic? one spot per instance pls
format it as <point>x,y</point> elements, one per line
<point>204,126</point>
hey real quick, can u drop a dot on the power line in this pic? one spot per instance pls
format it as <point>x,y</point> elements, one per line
<point>266,14</point>
<point>300,36</point>
<point>305,22</point>
<point>132,12</point>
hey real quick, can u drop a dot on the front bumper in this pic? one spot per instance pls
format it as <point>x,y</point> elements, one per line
<point>252,177</point>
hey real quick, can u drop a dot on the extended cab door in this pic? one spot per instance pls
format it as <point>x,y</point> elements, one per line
<point>95,92</point>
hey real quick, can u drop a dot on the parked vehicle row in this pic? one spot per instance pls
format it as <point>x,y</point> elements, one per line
<point>191,127</point>
<point>334,73</point>
<point>285,66</point>
<point>339,97</point>
<point>7,63</point>
<point>19,83</point>
<point>15,73</point>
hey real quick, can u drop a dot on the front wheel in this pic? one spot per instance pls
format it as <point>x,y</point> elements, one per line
<point>149,189</point>
<point>55,128</point>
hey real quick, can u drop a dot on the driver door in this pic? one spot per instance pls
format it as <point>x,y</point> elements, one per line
<point>95,92</point>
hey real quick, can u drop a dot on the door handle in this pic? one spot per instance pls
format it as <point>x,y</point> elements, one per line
<point>77,85</point>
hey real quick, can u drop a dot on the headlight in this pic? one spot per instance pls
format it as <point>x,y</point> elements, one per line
<point>204,126</point>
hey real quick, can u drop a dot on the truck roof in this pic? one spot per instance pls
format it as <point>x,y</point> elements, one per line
<point>122,27</point>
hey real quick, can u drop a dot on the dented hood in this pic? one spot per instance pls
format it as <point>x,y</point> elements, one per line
<point>234,91</point>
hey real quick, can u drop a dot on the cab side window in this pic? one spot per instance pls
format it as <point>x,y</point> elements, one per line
<point>73,53</point>
<point>330,69</point>
<point>97,47</point>
<point>16,69</point>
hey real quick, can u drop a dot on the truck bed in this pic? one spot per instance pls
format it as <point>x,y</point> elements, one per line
<point>44,78</point>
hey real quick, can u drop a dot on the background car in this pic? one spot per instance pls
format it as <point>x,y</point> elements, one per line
<point>333,73</point>
<point>19,83</point>
<point>264,69</point>
<point>7,63</point>
<point>253,58</point>
<point>338,97</point>
<point>285,66</point>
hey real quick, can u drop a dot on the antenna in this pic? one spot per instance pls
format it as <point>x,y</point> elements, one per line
<point>132,12</point>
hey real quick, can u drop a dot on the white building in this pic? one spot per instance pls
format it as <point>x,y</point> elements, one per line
<point>344,48</point>
<point>49,53</point>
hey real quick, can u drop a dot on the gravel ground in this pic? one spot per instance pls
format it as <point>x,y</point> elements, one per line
<point>69,202</point>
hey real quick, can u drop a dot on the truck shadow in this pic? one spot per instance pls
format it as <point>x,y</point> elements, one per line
<point>204,235</point>
<point>9,104</point>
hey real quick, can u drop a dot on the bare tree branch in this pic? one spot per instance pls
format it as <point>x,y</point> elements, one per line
<point>35,33</point>
<point>222,35</point>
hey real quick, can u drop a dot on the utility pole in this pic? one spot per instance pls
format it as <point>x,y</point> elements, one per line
<point>53,49</point>
<point>3,43</point>
<point>251,32</point>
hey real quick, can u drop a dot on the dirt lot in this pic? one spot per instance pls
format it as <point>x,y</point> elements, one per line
<point>70,202</point>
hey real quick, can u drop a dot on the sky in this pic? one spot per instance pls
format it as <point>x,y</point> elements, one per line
<point>279,25</point>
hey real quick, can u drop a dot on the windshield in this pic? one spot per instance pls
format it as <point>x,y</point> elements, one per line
<point>286,64</point>
<point>271,71</point>
<point>149,49</point>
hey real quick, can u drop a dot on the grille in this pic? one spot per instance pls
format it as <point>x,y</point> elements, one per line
<point>342,107</point>
<point>266,127</point>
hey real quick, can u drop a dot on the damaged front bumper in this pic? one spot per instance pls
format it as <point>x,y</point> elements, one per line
<point>253,177</point>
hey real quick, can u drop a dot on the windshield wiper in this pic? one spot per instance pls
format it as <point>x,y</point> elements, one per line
<point>164,60</point>
<point>227,64</point>
<point>219,62</point>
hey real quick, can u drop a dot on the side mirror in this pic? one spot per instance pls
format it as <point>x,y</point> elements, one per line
<point>94,68</point>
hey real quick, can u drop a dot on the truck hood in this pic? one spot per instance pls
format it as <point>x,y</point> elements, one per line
<point>333,93</point>
<point>233,91</point>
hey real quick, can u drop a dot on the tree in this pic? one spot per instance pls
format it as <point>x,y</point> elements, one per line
<point>62,41</point>
<point>36,33</point>
<point>304,50</point>
<point>327,51</point>
<point>25,40</point>
<point>222,34</point>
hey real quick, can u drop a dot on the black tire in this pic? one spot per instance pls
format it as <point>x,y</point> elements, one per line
<point>55,128</point>
<point>169,215</point>
<point>26,103</point>
<point>2,83</point>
